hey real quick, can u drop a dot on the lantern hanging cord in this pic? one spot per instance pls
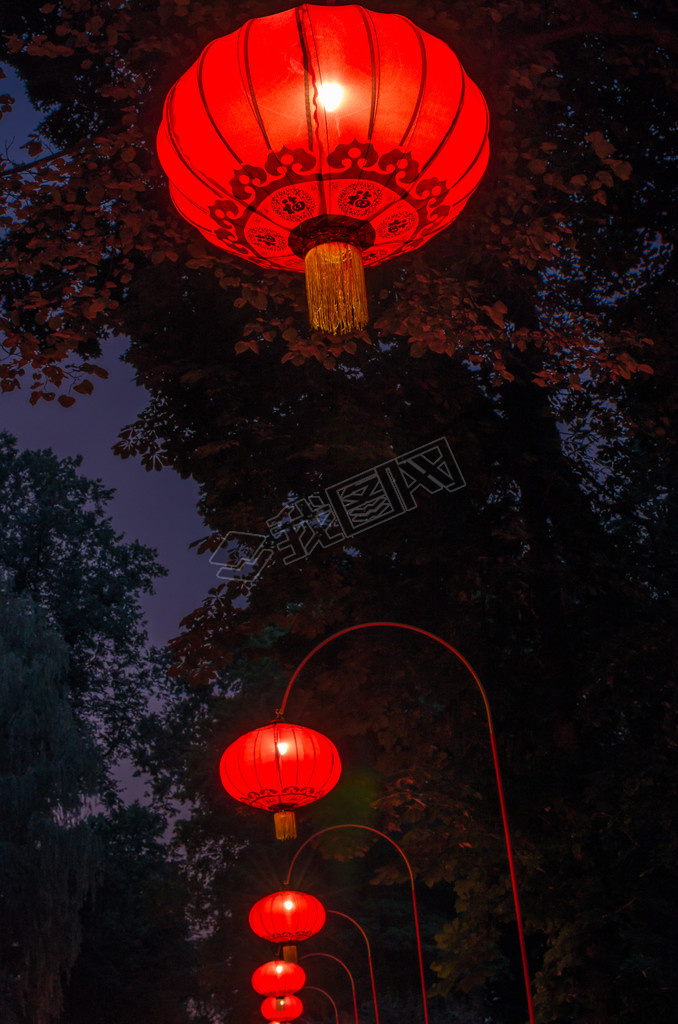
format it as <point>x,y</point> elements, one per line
<point>495,759</point>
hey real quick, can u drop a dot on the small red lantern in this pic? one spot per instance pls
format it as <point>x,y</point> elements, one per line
<point>287,917</point>
<point>322,138</point>
<point>287,1008</point>
<point>278,978</point>
<point>279,767</point>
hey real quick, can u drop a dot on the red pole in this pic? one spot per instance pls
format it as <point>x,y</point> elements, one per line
<point>312,988</point>
<point>338,913</point>
<point>495,759</point>
<point>368,828</point>
<point>350,977</point>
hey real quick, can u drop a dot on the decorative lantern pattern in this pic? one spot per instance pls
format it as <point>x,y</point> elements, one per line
<point>322,138</point>
<point>279,767</point>
<point>278,978</point>
<point>285,1009</point>
<point>287,916</point>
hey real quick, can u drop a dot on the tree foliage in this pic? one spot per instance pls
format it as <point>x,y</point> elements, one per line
<point>75,680</point>
<point>58,545</point>
<point>48,772</point>
<point>135,959</point>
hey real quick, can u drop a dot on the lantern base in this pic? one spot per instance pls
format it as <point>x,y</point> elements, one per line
<point>335,287</point>
<point>290,954</point>
<point>285,825</point>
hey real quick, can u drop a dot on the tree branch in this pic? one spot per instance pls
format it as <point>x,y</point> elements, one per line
<point>661,34</point>
<point>15,168</point>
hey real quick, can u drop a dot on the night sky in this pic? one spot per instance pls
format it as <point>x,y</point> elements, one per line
<point>156,508</point>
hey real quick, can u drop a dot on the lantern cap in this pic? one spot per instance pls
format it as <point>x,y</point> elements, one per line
<point>330,228</point>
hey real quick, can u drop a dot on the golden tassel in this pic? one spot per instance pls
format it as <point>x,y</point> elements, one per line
<point>290,954</point>
<point>285,825</point>
<point>335,286</point>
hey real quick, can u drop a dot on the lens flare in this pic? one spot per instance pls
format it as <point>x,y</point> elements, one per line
<point>330,95</point>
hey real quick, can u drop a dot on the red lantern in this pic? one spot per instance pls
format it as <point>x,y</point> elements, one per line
<point>279,767</point>
<point>284,1009</point>
<point>287,917</point>
<point>278,978</point>
<point>322,138</point>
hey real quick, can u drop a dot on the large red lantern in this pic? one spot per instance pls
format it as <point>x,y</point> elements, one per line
<point>278,978</point>
<point>280,767</point>
<point>285,1009</point>
<point>322,138</point>
<point>287,917</point>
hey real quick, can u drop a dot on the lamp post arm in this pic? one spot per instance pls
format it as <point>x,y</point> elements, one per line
<point>398,625</point>
<point>336,959</point>
<point>338,913</point>
<point>495,759</point>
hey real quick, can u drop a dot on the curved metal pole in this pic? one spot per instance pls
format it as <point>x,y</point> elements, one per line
<point>323,992</point>
<point>338,913</point>
<point>368,828</point>
<point>495,758</point>
<point>350,977</point>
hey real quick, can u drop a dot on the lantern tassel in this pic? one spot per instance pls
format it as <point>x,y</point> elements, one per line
<point>285,825</point>
<point>290,954</point>
<point>335,286</point>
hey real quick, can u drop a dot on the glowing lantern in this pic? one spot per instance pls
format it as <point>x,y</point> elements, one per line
<point>280,767</point>
<point>322,139</point>
<point>287,1008</point>
<point>287,917</point>
<point>278,978</point>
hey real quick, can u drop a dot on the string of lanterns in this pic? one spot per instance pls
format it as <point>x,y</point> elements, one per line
<point>289,916</point>
<point>279,767</point>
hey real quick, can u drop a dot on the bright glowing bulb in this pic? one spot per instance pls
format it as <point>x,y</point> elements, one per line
<point>330,94</point>
<point>288,905</point>
<point>278,968</point>
<point>282,748</point>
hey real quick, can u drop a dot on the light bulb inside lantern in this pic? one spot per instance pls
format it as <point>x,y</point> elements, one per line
<point>278,968</point>
<point>288,905</point>
<point>330,95</point>
<point>282,748</point>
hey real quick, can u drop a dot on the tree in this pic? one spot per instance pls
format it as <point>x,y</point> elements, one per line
<point>49,772</point>
<point>75,680</point>
<point>58,546</point>
<point>135,960</point>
